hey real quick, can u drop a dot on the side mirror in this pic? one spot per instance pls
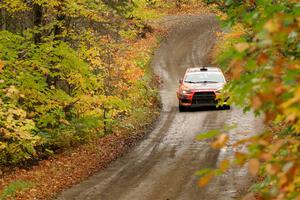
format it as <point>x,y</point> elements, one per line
<point>180,81</point>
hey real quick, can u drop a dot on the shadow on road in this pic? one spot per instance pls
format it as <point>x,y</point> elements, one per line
<point>205,109</point>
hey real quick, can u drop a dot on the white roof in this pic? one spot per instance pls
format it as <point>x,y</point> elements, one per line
<point>198,69</point>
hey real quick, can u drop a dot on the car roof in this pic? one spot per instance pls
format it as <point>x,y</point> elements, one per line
<point>202,69</point>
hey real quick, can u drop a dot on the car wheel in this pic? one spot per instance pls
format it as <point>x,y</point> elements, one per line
<point>226,107</point>
<point>182,108</point>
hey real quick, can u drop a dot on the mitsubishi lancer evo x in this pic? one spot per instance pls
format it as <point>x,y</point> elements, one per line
<point>200,87</point>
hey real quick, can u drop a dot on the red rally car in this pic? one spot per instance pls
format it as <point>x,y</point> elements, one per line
<point>200,87</point>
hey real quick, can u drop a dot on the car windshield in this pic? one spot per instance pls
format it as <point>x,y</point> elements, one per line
<point>204,78</point>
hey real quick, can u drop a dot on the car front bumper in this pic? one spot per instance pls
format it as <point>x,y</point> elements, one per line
<point>199,99</point>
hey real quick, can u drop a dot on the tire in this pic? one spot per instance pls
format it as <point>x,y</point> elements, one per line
<point>226,107</point>
<point>182,108</point>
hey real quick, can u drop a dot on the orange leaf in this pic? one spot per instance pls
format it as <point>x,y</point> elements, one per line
<point>272,25</point>
<point>275,147</point>
<point>271,169</point>
<point>262,58</point>
<point>236,69</point>
<point>249,196</point>
<point>293,66</point>
<point>234,35</point>
<point>224,165</point>
<point>263,142</point>
<point>266,156</point>
<point>269,116</point>
<point>240,47</point>
<point>256,102</point>
<point>253,166</point>
<point>279,64</point>
<point>240,158</point>
<point>244,141</point>
<point>279,89</point>
<point>203,181</point>
<point>220,142</point>
<point>1,65</point>
<point>268,96</point>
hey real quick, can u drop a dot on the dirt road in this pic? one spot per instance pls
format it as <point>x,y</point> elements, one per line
<point>163,166</point>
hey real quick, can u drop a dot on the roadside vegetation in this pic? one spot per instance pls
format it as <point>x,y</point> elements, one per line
<point>259,49</point>
<point>69,74</point>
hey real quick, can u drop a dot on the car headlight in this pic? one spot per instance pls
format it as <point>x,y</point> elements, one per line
<point>187,91</point>
<point>219,91</point>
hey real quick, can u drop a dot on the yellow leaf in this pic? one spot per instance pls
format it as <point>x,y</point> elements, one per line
<point>272,26</point>
<point>283,180</point>
<point>253,166</point>
<point>3,145</point>
<point>234,35</point>
<point>65,122</point>
<point>291,187</point>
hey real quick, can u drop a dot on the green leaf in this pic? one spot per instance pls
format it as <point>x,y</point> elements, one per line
<point>209,134</point>
<point>203,172</point>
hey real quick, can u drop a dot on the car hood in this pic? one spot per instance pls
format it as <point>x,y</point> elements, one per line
<point>204,86</point>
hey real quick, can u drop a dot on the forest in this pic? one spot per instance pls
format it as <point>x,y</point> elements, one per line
<point>73,71</point>
<point>69,73</point>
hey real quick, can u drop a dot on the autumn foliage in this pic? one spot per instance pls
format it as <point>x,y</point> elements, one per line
<point>70,72</point>
<point>260,52</point>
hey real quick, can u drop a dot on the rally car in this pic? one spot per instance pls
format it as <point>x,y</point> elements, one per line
<point>200,87</point>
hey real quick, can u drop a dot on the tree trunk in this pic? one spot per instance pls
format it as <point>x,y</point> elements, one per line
<point>3,19</point>
<point>58,29</point>
<point>60,19</point>
<point>38,19</point>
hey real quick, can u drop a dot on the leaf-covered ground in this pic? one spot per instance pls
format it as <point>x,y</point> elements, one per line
<point>64,170</point>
